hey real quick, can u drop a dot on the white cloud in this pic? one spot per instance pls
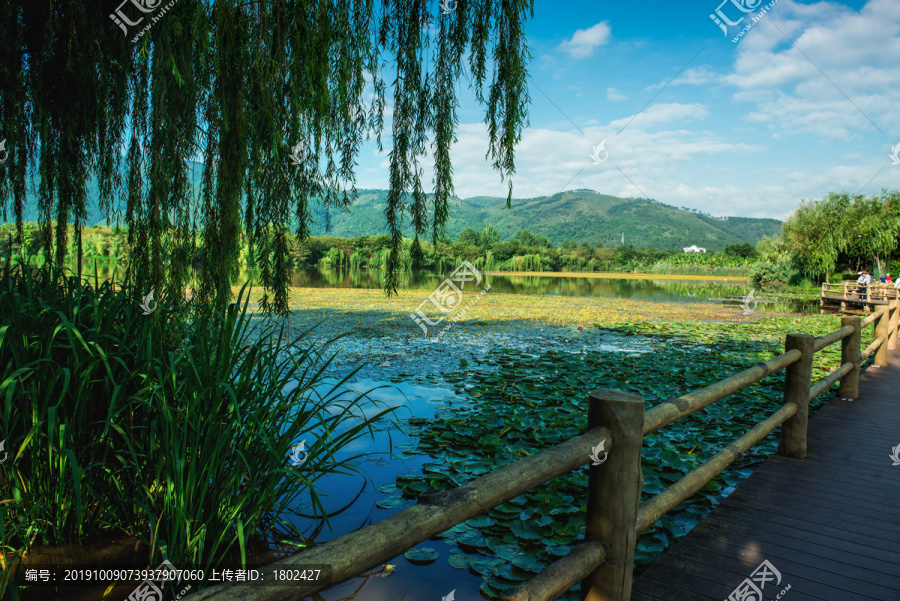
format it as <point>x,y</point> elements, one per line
<point>695,76</point>
<point>614,95</point>
<point>662,114</point>
<point>583,41</point>
<point>839,78</point>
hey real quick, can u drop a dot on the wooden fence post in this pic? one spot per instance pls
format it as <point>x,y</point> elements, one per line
<point>850,352</point>
<point>614,493</point>
<point>881,331</point>
<point>797,381</point>
<point>895,322</point>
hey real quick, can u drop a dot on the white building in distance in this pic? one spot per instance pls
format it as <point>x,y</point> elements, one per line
<point>694,249</point>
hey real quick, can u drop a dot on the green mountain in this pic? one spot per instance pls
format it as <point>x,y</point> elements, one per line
<point>580,215</point>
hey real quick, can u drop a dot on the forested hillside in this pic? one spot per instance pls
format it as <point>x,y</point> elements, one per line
<point>579,215</point>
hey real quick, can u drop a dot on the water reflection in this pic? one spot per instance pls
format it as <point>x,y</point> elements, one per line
<point>654,290</point>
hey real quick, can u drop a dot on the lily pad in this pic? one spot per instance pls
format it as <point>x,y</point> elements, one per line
<point>391,503</point>
<point>421,556</point>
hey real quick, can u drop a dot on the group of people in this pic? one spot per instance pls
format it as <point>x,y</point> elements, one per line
<point>865,279</point>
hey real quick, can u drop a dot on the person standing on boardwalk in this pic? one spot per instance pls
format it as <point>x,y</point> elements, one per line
<point>862,284</point>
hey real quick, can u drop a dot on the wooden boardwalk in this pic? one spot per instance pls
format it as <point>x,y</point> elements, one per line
<point>830,523</point>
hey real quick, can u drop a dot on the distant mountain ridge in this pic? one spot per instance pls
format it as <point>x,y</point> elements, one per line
<point>580,215</point>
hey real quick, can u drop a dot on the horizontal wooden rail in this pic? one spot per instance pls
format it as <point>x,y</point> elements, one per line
<point>826,382</point>
<point>830,339</point>
<point>871,318</point>
<point>356,552</point>
<point>697,478</point>
<point>876,344</point>
<point>559,576</point>
<point>674,409</point>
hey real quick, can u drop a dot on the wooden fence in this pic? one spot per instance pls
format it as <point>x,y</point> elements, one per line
<point>603,562</point>
<point>851,294</point>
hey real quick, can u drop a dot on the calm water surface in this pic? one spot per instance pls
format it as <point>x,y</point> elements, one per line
<point>654,290</point>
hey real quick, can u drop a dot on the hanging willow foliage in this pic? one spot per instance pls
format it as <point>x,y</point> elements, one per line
<point>243,84</point>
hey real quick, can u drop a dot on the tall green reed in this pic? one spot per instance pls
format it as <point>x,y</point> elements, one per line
<point>173,427</point>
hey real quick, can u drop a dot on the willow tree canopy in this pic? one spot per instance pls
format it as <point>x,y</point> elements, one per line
<point>239,84</point>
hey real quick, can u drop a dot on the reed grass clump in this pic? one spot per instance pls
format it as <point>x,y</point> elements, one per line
<point>174,427</point>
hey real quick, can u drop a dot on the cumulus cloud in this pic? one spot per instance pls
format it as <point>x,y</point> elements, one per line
<point>822,69</point>
<point>584,41</point>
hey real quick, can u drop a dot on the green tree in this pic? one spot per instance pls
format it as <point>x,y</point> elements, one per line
<point>526,238</point>
<point>744,250</point>
<point>818,232</point>
<point>244,84</point>
<point>874,227</point>
<point>468,236</point>
<point>488,237</point>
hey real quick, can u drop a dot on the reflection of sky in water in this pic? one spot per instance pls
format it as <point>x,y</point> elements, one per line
<point>415,582</point>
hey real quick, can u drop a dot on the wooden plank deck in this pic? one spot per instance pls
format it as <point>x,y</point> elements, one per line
<point>830,523</point>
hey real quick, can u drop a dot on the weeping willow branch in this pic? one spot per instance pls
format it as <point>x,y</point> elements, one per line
<point>238,85</point>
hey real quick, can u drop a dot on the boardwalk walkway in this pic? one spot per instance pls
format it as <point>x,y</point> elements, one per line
<point>830,523</point>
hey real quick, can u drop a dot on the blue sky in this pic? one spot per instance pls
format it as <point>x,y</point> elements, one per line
<point>806,102</point>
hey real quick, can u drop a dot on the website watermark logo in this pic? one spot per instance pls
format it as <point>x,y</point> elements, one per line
<point>6,153</point>
<point>3,448</point>
<point>895,154</point>
<point>296,153</point>
<point>895,457</point>
<point>145,7</point>
<point>739,9</point>
<point>450,597</point>
<point>145,304</point>
<point>751,589</point>
<point>152,588</point>
<point>595,155</point>
<point>595,453</point>
<point>746,303</point>
<point>447,299</point>
<point>447,8</point>
<point>296,450</point>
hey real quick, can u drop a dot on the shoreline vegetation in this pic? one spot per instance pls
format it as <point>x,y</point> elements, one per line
<point>526,253</point>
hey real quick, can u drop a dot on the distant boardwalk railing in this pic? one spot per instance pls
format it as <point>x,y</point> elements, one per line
<point>603,562</point>
<point>851,294</point>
